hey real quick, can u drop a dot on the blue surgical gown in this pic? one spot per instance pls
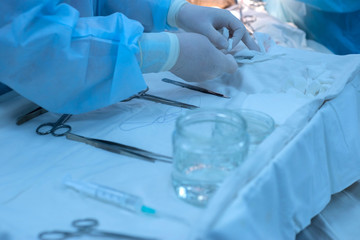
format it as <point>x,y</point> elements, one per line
<point>333,23</point>
<point>75,56</point>
<point>4,89</point>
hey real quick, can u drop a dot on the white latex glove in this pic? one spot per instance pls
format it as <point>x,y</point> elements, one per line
<point>200,60</point>
<point>207,21</point>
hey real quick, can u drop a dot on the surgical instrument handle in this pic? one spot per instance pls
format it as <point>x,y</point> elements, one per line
<point>57,129</point>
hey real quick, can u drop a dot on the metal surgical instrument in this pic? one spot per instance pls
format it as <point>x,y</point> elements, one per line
<point>120,148</point>
<point>30,115</point>
<point>145,96</point>
<point>192,87</point>
<point>248,19</point>
<point>86,227</point>
<point>57,129</point>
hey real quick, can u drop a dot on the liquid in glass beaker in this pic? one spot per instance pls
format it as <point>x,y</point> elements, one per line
<point>208,144</point>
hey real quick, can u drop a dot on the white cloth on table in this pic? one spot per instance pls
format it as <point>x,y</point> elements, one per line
<point>33,166</point>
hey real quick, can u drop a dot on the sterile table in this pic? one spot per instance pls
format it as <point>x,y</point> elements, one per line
<point>312,154</point>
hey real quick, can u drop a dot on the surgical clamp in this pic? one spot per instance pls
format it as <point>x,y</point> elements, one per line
<point>149,97</point>
<point>142,95</point>
<point>86,227</point>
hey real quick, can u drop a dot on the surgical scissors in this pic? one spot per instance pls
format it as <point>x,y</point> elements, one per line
<point>86,227</point>
<point>149,97</point>
<point>57,129</point>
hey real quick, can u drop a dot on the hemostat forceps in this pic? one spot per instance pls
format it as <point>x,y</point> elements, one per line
<point>145,96</point>
<point>86,227</point>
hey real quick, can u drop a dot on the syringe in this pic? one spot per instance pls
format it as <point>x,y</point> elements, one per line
<point>121,199</point>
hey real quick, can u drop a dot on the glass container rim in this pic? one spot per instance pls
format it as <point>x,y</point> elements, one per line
<point>266,118</point>
<point>225,112</point>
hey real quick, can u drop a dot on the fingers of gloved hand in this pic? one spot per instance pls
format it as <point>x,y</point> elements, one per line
<point>199,60</point>
<point>219,40</point>
<point>237,31</point>
<point>243,35</point>
<point>207,21</point>
<point>250,42</point>
<point>231,64</point>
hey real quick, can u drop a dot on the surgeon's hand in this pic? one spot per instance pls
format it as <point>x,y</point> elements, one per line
<point>199,60</point>
<point>206,21</point>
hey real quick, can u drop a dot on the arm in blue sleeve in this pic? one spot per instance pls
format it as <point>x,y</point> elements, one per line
<point>151,14</point>
<point>65,63</point>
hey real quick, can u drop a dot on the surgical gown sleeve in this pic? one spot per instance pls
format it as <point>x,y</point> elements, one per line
<point>152,14</point>
<point>65,63</point>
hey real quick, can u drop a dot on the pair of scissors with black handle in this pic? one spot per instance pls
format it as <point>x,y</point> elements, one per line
<point>57,129</point>
<point>86,227</point>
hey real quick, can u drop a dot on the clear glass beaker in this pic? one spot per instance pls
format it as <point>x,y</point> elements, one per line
<point>207,145</point>
<point>259,125</point>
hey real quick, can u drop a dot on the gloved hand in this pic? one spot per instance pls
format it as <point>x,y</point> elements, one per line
<point>190,56</point>
<point>199,60</point>
<point>207,21</point>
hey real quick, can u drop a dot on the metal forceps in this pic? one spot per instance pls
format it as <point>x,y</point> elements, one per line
<point>120,148</point>
<point>57,129</point>
<point>86,227</point>
<point>247,20</point>
<point>192,87</point>
<point>145,96</point>
<point>30,115</point>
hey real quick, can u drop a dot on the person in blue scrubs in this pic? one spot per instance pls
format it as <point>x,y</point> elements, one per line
<point>75,56</point>
<point>333,23</point>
